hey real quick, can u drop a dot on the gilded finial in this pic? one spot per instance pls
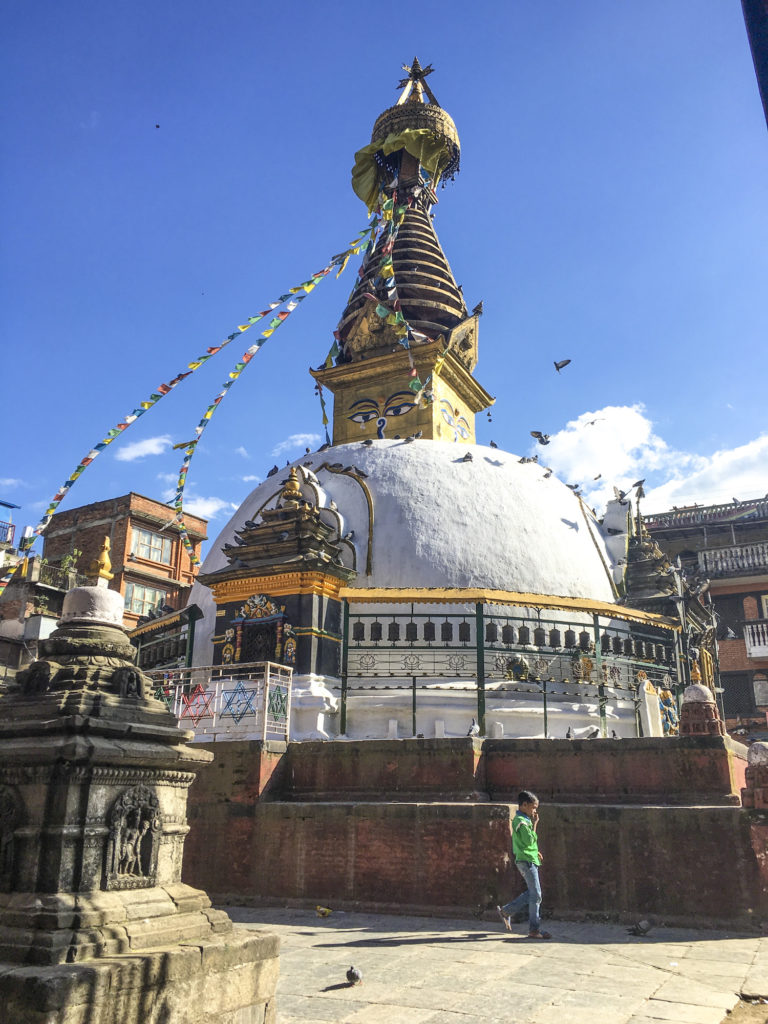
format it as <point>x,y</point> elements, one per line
<point>414,85</point>
<point>99,569</point>
<point>291,492</point>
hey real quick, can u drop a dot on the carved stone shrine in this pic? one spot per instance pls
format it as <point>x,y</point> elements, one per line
<point>95,922</point>
<point>699,715</point>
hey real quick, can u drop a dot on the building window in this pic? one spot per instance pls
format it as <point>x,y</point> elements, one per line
<point>152,546</point>
<point>142,600</point>
<point>760,684</point>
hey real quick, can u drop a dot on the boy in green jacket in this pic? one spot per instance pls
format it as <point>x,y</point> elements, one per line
<point>525,850</point>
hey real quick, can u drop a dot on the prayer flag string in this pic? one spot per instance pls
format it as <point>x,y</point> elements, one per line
<point>289,297</point>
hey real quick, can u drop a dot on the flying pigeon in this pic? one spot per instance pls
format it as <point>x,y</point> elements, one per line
<point>541,438</point>
<point>493,444</point>
<point>273,471</point>
<point>639,483</point>
<point>641,928</point>
<point>354,976</point>
<point>597,477</point>
<point>559,365</point>
<point>474,729</point>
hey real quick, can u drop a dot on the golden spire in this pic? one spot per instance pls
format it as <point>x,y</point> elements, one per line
<point>99,569</point>
<point>414,85</point>
<point>290,496</point>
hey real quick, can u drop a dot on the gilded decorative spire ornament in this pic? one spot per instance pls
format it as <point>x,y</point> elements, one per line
<point>406,343</point>
<point>99,569</point>
<point>290,496</point>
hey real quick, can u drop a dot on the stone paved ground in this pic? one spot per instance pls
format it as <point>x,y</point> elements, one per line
<point>420,970</point>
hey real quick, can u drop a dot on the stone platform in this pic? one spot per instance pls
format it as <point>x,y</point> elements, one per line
<point>229,979</point>
<point>409,825</point>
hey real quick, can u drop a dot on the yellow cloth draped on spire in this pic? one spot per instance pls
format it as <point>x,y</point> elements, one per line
<point>432,153</point>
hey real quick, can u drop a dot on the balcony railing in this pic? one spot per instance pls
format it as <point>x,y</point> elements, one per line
<point>727,513</point>
<point>229,702</point>
<point>745,559</point>
<point>756,638</point>
<point>62,579</point>
<point>7,532</point>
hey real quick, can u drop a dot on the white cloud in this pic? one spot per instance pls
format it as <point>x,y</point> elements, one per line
<point>140,449</point>
<point>168,478</point>
<point>295,441</point>
<point>241,451</point>
<point>209,508</point>
<point>251,479</point>
<point>618,444</point>
<point>11,481</point>
<point>196,505</point>
<point>740,472</point>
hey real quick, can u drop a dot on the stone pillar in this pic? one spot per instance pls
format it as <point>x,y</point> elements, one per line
<point>95,922</point>
<point>699,715</point>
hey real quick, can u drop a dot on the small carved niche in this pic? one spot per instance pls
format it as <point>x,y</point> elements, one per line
<point>10,816</point>
<point>135,826</point>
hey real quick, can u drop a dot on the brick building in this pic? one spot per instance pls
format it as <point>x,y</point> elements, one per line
<point>729,545</point>
<point>150,564</point>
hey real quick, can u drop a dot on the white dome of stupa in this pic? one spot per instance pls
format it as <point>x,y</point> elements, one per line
<point>446,516</point>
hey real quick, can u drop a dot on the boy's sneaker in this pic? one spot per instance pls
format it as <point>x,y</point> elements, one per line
<point>504,918</point>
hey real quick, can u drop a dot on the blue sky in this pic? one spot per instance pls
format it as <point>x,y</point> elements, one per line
<point>612,208</point>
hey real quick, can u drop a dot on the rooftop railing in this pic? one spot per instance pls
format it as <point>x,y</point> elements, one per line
<point>7,532</point>
<point>229,702</point>
<point>727,513</point>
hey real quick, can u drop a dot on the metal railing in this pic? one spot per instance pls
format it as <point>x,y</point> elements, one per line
<point>62,579</point>
<point>506,655</point>
<point>7,532</point>
<point>756,638</point>
<point>229,702</point>
<point>734,561</point>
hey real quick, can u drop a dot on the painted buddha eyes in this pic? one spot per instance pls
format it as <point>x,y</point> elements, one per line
<point>459,424</point>
<point>367,409</point>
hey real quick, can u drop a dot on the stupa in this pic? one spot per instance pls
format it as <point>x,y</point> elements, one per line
<point>418,582</point>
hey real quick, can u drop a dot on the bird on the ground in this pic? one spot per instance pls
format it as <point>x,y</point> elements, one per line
<point>249,524</point>
<point>641,928</point>
<point>593,734</point>
<point>474,729</point>
<point>493,444</point>
<point>559,364</point>
<point>336,465</point>
<point>548,473</point>
<point>478,310</point>
<point>573,487</point>
<point>324,446</point>
<point>569,734</point>
<point>541,438</point>
<point>323,911</point>
<point>274,470</point>
<point>368,441</point>
<point>466,458</point>
<point>620,495</point>
<point>349,536</point>
<point>354,976</point>
<point>614,734</point>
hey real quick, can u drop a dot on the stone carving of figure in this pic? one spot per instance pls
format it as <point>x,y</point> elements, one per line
<point>129,861</point>
<point>128,682</point>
